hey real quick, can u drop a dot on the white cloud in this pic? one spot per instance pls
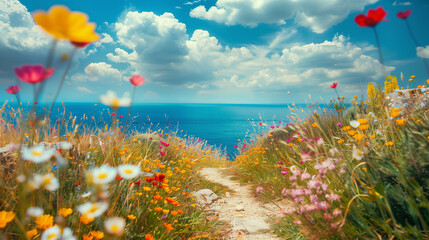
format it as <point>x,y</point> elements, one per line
<point>315,14</point>
<point>423,52</point>
<point>97,71</point>
<point>407,3</point>
<point>85,90</point>
<point>106,38</point>
<point>160,49</point>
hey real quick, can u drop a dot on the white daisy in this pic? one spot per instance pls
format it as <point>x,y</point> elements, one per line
<point>65,145</point>
<point>48,181</point>
<point>34,211</point>
<point>93,210</point>
<point>52,233</point>
<point>128,171</point>
<point>115,225</point>
<point>37,154</point>
<point>293,168</point>
<point>111,100</point>
<point>102,175</point>
<point>354,123</point>
<point>357,153</point>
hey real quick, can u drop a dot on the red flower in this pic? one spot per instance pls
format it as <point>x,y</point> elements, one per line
<point>137,80</point>
<point>33,73</point>
<point>404,15</point>
<point>13,89</point>
<point>334,85</point>
<point>373,18</point>
<point>80,44</point>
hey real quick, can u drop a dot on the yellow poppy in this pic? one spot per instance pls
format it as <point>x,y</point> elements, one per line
<point>63,24</point>
<point>5,218</point>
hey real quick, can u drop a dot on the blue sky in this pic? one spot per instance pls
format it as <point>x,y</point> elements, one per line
<point>218,51</point>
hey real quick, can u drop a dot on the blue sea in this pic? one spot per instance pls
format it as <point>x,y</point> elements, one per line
<point>221,125</point>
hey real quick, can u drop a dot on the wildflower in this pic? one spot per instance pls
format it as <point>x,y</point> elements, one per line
<point>88,237</point>
<point>404,15</point>
<point>258,189</point>
<point>44,221</point>
<point>85,219</point>
<point>37,154</point>
<point>51,233</point>
<point>5,218</point>
<point>340,141</point>
<point>336,212</point>
<point>137,80</point>
<point>389,144</point>
<point>354,123</point>
<point>358,137</point>
<point>115,225</point>
<point>34,211</point>
<point>305,176</point>
<point>168,226</point>
<point>131,217</point>
<point>50,182</point>
<point>65,145</point>
<point>97,234</point>
<point>334,85</point>
<point>293,169</point>
<point>13,89</point>
<point>111,100</point>
<point>372,19</point>
<point>102,175</point>
<point>128,171</point>
<point>63,24</point>
<point>65,212</point>
<point>357,153</point>
<point>93,210</point>
<point>314,125</point>
<point>33,74</point>
<point>401,122</point>
<point>32,233</point>
<point>149,237</point>
<point>364,126</point>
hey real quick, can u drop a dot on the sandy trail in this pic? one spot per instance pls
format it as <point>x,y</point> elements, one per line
<point>252,219</point>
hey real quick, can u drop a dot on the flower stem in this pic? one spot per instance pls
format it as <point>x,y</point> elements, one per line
<point>425,62</point>
<point>129,109</point>
<point>378,45</point>
<point>62,81</point>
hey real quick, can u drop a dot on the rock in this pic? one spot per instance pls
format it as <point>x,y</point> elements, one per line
<point>205,196</point>
<point>239,208</point>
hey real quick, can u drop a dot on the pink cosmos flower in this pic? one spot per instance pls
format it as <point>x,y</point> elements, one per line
<point>162,153</point>
<point>137,80</point>
<point>258,189</point>
<point>164,143</point>
<point>305,176</point>
<point>336,212</point>
<point>33,73</point>
<point>404,15</point>
<point>13,89</point>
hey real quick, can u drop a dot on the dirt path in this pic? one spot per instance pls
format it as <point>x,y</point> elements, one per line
<point>240,209</point>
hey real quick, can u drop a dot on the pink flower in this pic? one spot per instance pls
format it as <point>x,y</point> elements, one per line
<point>33,73</point>
<point>137,80</point>
<point>337,212</point>
<point>305,176</point>
<point>333,197</point>
<point>164,143</point>
<point>162,153</point>
<point>334,85</point>
<point>13,89</point>
<point>404,15</point>
<point>314,198</point>
<point>258,189</point>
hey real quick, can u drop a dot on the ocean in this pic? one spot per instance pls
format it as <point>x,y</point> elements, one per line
<point>221,125</point>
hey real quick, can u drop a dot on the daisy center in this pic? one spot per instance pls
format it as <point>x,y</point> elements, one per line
<point>52,236</point>
<point>37,153</point>
<point>128,171</point>
<point>102,175</point>
<point>115,227</point>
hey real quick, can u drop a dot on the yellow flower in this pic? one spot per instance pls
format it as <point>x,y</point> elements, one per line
<point>65,25</point>
<point>131,217</point>
<point>340,141</point>
<point>5,218</point>
<point>87,237</point>
<point>359,136</point>
<point>315,125</point>
<point>44,221</point>
<point>364,126</point>
<point>389,144</point>
<point>97,234</point>
<point>32,233</point>
<point>65,212</point>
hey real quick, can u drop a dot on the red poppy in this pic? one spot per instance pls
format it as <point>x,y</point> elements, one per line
<point>404,15</point>
<point>137,80</point>
<point>13,89</point>
<point>334,85</point>
<point>372,19</point>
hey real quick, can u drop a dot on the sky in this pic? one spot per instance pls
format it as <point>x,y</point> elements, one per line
<point>217,51</point>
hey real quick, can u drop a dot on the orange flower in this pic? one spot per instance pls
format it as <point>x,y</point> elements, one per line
<point>179,211</point>
<point>401,122</point>
<point>32,233</point>
<point>149,237</point>
<point>131,217</point>
<point>158,209</point>
<point>87,237</point>
<point>5,218</point>
<point>174,213</point>
<point>65,25</point>
<point>97,234</point>
<point>85,219</point>
<point>44,221</point>
<point>65,212</point>
<point>157,197</point>
<point>168,226</point>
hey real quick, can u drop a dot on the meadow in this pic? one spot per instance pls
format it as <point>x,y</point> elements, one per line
<point>355,170</point>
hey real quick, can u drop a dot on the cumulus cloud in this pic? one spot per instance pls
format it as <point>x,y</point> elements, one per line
<point>85,90</point>
<point>423,52</point>
<point>314,14</point>
<point>406,3</point>
<point>106,38</point>
<point>97,71</point>
<point>160,48</point>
